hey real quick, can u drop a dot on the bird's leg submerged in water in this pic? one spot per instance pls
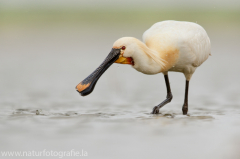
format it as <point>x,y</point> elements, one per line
<point>169,97</point>
<point>185,105</point>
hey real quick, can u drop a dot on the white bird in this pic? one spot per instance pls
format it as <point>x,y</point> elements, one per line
<point>167,46</point>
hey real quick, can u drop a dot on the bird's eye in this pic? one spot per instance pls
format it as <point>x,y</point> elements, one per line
<point>123,48</point>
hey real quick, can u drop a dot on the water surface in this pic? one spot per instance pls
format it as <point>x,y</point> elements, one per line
<point>40,108</point>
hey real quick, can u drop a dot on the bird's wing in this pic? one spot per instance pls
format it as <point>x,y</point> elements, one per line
<point>191,39</point>
<point>198,43</point>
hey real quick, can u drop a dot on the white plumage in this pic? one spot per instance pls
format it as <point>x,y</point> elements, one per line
<point>167,46</point>
<point>175,46</point>
<point>189,38</point>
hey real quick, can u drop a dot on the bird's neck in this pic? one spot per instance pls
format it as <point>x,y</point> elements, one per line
<point>147,60</point>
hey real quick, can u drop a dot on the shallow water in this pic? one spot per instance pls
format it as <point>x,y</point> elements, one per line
<point>40,108</point>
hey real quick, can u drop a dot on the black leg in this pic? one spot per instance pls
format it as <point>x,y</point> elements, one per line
<point>169,97</point>
<point>185,105</point>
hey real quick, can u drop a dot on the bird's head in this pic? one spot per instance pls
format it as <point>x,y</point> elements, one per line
<point>122,52</point>
<point>127,47</point>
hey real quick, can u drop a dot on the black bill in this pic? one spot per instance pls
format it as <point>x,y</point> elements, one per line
<point>87,85</point>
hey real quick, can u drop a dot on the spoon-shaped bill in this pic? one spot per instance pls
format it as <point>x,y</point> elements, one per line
<point>87,85</point>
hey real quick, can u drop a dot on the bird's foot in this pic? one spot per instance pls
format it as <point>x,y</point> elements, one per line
<point>155,110</point>
<point>184,110</point>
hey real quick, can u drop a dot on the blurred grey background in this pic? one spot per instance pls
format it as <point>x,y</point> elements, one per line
<point>48,47</point>
<point>231,4</point>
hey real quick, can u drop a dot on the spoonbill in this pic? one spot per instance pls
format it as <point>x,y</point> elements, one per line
<point>167,46</point>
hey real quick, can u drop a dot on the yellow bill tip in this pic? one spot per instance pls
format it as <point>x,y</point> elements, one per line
<point>80,87</point>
